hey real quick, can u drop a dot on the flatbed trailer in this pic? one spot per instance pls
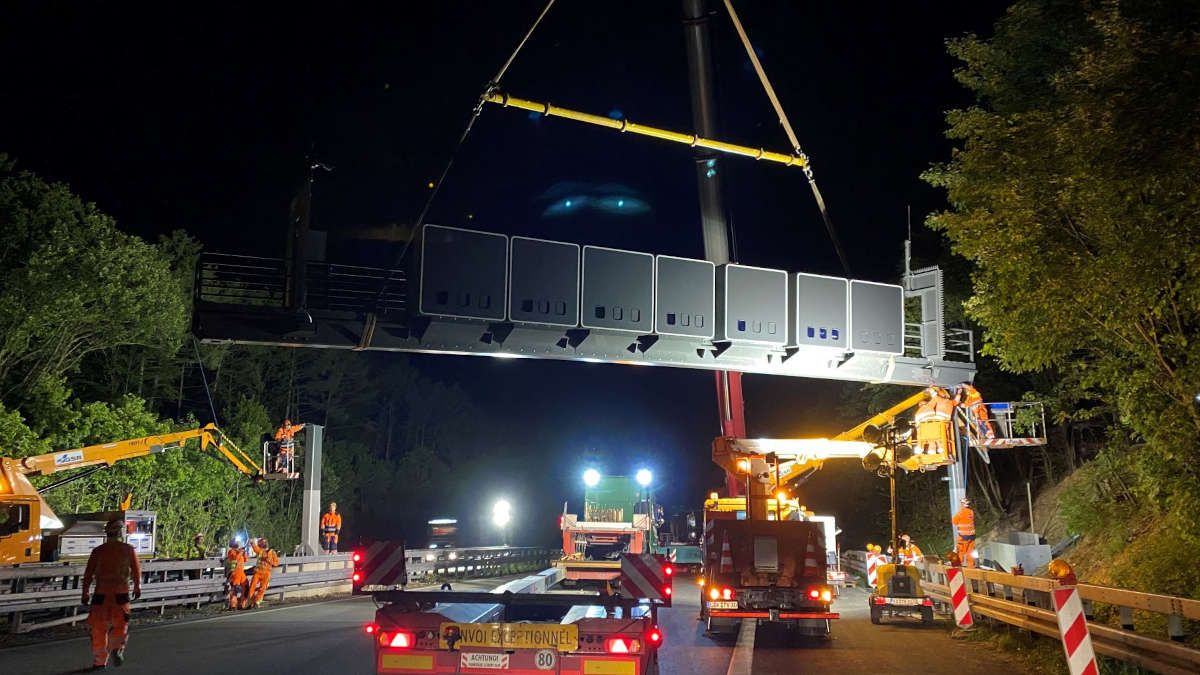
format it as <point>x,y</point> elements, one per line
<point>526,626</point>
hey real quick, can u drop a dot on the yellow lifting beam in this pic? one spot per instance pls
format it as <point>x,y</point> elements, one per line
<point>626,126</point>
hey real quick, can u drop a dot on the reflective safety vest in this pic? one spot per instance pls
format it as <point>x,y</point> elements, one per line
<point>331,523</point>
<point>266,560</point>
<point>234,559</point>
<point>964,522</point>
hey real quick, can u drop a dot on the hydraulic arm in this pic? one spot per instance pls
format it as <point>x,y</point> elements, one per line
<point>107,454</point>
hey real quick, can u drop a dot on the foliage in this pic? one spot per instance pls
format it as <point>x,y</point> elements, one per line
<point>72,284</point>
<point>1073,194</point>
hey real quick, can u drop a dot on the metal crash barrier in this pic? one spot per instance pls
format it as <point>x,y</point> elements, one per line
<point>1025,602</point>
<point>44,595</point>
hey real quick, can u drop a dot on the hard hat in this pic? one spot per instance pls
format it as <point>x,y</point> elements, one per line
<point>965,501</point>
<point>287,422</point>
<point>262,541</point>
<point>114,526</point>
<point>234,543</point>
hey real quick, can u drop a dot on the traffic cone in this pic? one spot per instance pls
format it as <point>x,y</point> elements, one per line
<point>726,557</point>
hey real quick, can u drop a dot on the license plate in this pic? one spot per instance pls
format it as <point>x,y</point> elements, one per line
<point>722,604</point>
<point>904,602</point>
<point>564,638</point>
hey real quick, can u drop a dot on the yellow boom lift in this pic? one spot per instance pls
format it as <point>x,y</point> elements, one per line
<point>25,515</point>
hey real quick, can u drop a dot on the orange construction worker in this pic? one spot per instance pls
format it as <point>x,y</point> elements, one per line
<point>969,398</point>
<point>934,427</point>
<point>236,582</point>
<point>964,533</point>
<point>910,553</point>
<point>113,565</point>
<point>331,527</point>
<point>267,561</point>
<point>286,436</point>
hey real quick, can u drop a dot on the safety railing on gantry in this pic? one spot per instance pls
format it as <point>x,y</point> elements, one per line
<point>253,281</point>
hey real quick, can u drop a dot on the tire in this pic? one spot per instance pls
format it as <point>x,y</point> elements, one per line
<point>927,615</point>
<point>876,615</point>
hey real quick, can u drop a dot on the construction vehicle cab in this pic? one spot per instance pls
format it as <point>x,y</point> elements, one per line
<point>898,592</point>
<point>617,519</point>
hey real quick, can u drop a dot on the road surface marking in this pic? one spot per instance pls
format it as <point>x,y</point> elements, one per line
<point>742,660</point>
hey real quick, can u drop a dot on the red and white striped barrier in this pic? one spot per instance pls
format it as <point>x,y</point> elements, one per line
<point>1072,626</point>
<point>872,569</point>
<point>958,598</point>
<point>646,576</point>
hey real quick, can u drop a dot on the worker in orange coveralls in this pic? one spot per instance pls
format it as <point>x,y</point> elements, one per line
<point>331,527</point>
<point>964,533</point>
<point>969,398</point>
<point>267,560</point>
<point>235,575</point>
<point>285,435</point>
<point>113,565</point>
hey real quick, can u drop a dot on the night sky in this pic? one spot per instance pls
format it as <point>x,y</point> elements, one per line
<point>170,118</point>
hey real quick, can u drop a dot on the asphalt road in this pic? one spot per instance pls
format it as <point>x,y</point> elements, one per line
<point>327,637</point>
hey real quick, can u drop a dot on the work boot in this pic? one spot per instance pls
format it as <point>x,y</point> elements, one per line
<point>118,656</point>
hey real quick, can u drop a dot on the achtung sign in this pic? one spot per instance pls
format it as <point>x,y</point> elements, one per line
<point>510,636</point>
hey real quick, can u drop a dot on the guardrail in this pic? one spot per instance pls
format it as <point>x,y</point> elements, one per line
<point>44,595</point>
<point>462,563</point>
<point>1025,602</point>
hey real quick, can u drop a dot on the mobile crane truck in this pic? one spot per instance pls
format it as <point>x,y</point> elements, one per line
<point>27,517</point>
<point>527,626</point>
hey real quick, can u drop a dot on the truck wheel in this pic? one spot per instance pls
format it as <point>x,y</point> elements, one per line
<point>926,615</point>
<point>876,615</point>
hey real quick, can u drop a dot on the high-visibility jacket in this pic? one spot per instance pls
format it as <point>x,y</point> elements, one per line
<point>286,434</point>
<point>235,566</point>
<point>267,559</point>
<point>331,523</point>
<point>964,522</point>
<point>936,408</point>
<point>113,565</point>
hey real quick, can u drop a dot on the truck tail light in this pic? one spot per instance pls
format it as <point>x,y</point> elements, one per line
<point>401,639</point>
<point>655,636</point>
<point>667,591</point>
<point>356,577</point>
<point>371,628</point>
<point>727,594</point>
<point>881,601</point>
<point>714,593</point>
<point>356,557</point>
<point>826,595</point>
<point>668,570</point>
<point>927,602</point>
<point>621,645</point>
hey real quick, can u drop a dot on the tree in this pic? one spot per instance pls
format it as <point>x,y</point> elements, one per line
<point>71,285</point>
<point>1072,191</point>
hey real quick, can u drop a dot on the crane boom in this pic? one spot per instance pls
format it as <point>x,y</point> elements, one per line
<point>625,126</point>
<point>107,454</point>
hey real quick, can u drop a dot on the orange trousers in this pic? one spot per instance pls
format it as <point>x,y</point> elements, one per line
<point>964,548</point>
<point>258,587</point>
<point>237,591</point>
<point>110,629</point>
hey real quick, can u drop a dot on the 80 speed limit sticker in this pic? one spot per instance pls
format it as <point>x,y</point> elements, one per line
<point>545,659</point>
